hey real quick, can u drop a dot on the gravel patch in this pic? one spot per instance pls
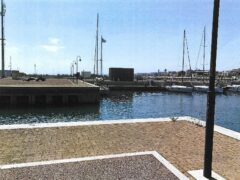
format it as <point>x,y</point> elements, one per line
<point>135,168</point>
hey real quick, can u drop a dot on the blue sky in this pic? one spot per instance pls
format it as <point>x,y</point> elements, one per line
<point>144,34</point>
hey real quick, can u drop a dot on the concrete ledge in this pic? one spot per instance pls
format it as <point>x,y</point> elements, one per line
<point>198,174</point>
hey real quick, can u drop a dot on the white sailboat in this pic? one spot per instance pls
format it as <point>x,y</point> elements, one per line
<point>178,88</point>
<point>233,88</point>
<point>181,88</point>
<point>204,88</point>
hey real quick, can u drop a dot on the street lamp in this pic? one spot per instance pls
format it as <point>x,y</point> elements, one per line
<point>78,58</point>
<point>72,70</point>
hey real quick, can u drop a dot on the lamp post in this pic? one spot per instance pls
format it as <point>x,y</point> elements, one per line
<point>78,59</point>
<point>207,172</point>
<point>3,11</point>
<point>72,70</point>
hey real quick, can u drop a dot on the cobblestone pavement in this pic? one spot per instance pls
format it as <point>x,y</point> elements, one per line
<point>180,142</point>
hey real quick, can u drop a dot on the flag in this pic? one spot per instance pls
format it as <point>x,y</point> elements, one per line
<point>103,40</point>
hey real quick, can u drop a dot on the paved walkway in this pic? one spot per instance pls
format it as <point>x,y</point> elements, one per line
<point>180,142</point>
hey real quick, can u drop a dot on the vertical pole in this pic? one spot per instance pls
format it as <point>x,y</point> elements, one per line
<point>2,24</point>
<point>73,70</point>
<point>184,36</point>
<point>77,69</point>
<point>207,172</point>
<point>97,45</point>
<point>101,58</point>
<point>10,65</point>
<point>204,47</point>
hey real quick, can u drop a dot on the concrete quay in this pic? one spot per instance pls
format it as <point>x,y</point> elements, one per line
<point>49,92</point>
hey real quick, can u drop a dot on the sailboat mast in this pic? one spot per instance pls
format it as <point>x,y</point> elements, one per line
<point>204,46</point>
<point>184,36</point>
<point>97,45</point>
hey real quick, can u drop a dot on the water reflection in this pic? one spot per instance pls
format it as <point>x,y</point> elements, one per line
<point>48,114</point>
<point>128,105</point>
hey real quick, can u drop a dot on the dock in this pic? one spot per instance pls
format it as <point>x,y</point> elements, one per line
<point>49,92</point>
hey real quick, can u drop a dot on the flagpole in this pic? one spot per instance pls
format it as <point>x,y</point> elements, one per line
<point>101,54</point>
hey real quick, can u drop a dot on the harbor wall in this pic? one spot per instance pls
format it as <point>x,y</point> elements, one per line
<point>48,95</point>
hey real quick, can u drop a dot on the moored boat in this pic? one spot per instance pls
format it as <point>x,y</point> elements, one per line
<point>233,88</point>
<point>204,89</point>
<point>181,89</point>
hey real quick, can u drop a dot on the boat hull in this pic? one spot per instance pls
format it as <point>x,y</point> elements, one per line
<point>204,89</point>
<point>180,89</point>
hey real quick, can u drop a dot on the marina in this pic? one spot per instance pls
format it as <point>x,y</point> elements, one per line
<point>133,105</point>
<point>55,146</point>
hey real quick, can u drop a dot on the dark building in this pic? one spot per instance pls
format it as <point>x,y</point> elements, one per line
<point>121,74</point>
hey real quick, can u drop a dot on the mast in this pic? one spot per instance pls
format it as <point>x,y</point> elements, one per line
<point>3,11</point>
<point>96,60</point>
<point>94,65</point>
<point>101,58</point>
<point>204,47</point>
<point>184,36</point>
<point>189,61</point>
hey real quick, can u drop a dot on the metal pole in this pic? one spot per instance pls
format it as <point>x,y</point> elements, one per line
<point>184,36</point>
<point>2,24</point>
<point>10,65</point>
<point>207,172</point>
<point>97,45</point>
<point>101,55</point>
<point>73,70</point>
<point>204,47</point>
<point>78,58</point>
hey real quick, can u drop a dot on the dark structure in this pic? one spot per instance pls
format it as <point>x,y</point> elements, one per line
<point>121,74</point>
<point>37,95</point>
<point>3,11</point>
<point>207,171</point>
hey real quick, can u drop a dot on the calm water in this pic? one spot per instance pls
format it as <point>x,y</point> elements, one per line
<point>133,105</point>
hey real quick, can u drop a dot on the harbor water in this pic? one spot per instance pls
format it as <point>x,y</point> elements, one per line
<point>132,105</point>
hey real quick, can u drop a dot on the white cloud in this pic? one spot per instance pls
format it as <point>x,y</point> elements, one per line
<point>52,48</point>
<point>55,41</point>
<point>53,45</point>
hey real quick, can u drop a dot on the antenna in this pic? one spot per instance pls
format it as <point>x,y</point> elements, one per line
<point>3,11</point>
